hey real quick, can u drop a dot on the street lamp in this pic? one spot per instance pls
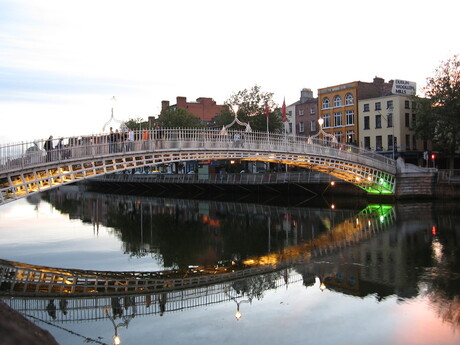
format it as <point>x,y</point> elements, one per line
<point>116,326</point>
<point>112,118</point>
<point>327,135</point>
<point>238,302</point>
<point>235,108</point>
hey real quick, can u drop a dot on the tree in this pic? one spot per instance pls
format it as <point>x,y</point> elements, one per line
<point>137,124</point>
<point>252,108</point>
<point>438,115</point>
<point>178,118</point>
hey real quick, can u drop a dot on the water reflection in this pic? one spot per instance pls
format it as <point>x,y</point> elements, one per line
<point>380,252</point>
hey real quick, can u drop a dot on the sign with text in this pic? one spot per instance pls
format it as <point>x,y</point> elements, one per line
<point>403,87</point>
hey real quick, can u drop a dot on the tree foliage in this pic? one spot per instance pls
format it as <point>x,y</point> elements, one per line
<point>137,123</point>
<point>438,115</point>
<point>252,109</point>
<point>178,118</point>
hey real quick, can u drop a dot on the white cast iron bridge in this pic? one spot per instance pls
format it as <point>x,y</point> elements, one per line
<point>26,168</point>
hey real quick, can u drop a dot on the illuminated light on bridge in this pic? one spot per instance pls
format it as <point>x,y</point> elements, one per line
<point>23,173</point>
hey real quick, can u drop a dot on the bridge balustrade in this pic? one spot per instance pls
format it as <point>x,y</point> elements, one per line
<point>27,167</point>
<point>27,154</point>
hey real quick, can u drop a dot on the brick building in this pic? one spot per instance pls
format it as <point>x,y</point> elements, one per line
<point>204,108</point>
<point>306,113</point>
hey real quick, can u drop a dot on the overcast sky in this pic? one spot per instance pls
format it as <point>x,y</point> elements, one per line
<point>62,61</point>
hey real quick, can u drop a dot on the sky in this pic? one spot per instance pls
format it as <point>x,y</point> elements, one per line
<point>62,62</point>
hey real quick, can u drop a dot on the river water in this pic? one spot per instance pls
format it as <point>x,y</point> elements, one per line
<point>341,271</point>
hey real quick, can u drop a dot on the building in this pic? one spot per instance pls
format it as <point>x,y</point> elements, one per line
<point>306,113</point>
<point>206,109</point>
<point>385,125</point>
<point>290,119</point>
<point>338,107</point>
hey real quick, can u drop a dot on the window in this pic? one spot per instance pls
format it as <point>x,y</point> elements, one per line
<point>366,122</point>
<point>350,137</point>
<point>407,142</point>
<point>338,119</point>
<point>338,136</point>
<point>414,143</point>
<point>414,121</point>
<point>378,106</point>
<point>389,104</point>
<point>326,103</point>
<point>312,111</point>
<point>378,121</point>
<point>366,107</point>
<point>414,105</point>
<point>406,120</point>
<point>337,101</point>
<point>367,143</point>
<point>378,143</point>
<point>390,120</point>
<point>301,127</point>
<point>349,99</point>
<point>406,104</point>
<point>390,142</point>
<point>327,120</point>
<point>313,126</point>
<point>350,114</point>
<point>300,111</point>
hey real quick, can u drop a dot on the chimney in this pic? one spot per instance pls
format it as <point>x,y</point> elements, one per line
<point>305,94</point>
<point>164,105</point>
<point>378,81</point>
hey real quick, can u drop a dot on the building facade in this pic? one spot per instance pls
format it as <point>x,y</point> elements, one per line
<point>338,107</point>
<point>306,114</point>
<point>386,125</point>
<point>206,109</point>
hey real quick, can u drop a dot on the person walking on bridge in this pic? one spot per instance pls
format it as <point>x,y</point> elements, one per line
<point>48,148</point>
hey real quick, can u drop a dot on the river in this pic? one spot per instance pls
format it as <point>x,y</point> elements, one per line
<point>341,271</point>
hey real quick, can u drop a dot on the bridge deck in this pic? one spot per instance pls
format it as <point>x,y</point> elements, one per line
<point>26,168</point>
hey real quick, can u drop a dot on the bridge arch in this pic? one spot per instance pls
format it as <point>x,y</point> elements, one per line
<point>24,171</point>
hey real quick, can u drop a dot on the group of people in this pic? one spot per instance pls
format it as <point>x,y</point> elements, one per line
<point>54,152</point>
<point>120,141</point>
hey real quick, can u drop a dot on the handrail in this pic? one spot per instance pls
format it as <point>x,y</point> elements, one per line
<point>32,153</point>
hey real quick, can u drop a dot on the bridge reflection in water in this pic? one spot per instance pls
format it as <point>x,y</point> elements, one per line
<point>57,296</point>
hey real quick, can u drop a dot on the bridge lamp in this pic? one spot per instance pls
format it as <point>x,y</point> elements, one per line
<point>320,122</point>
<point>332,183</point>
<point>238,314</point>
<point>235,108</point>
<point>116,340</point>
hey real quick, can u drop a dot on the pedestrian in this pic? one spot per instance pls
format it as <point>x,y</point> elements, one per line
<point>49,148</point>
<point>111,141</point>
<point>130,139</point>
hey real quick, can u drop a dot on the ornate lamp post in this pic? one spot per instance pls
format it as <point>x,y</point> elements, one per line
<point>238,302</point>
<point>112,118</point>
<point>327,135</point>
<point>235,108</point>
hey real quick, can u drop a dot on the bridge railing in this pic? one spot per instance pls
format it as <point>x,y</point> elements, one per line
<point>35,153</point>
<point>305,177</point>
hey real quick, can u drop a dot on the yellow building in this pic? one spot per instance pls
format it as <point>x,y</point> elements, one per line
<point>338,107</point>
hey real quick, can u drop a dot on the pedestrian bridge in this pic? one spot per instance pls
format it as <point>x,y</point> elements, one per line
<point>26,168</point>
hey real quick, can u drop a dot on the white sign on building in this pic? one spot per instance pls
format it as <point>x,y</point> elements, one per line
<point>404,87</point>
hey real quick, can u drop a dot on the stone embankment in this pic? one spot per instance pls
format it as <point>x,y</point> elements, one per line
<point>15,329</point>
<point>415,182</point>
